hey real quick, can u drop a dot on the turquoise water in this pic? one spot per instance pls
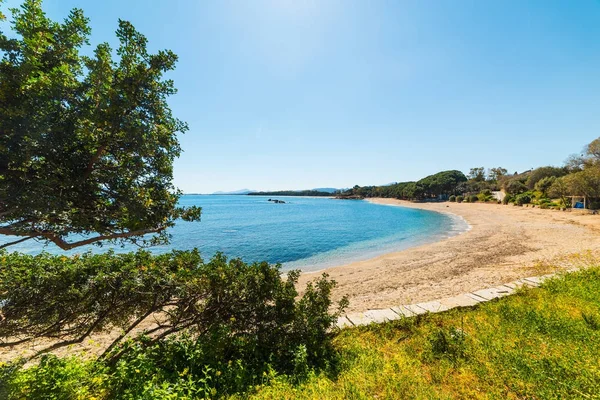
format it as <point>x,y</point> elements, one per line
<point>306,233</point>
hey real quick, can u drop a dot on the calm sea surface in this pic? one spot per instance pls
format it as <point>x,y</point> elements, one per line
<point>306,233</point>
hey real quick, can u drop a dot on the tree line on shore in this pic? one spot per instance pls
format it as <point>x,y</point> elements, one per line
<point>548,186</point>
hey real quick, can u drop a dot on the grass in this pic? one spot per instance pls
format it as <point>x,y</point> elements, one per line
<point>537,344</point>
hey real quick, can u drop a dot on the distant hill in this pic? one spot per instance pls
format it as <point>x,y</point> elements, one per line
<point>241,191</point>
<point>327,190</point>
<point>292,193</point>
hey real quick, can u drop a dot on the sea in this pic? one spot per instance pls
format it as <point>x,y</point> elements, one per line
<point>306,233</point>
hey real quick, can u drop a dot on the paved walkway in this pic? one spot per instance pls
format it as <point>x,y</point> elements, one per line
<point>462,300</point>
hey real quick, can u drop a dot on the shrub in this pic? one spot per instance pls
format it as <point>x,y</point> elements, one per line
<point>515,186</point>
<point>485,195</point>
<point>459,199</point>
<point>473,198</point>
<point>507,199</point>
<point>522,199</point>
<point>452,198</point>
<point>212,314</point>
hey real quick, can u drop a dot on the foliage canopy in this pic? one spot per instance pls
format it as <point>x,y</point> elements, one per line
<point>86,143</point>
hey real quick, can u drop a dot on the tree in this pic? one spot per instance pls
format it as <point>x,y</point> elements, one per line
<point>543,172</point>
<point>444,182</point>
<point>544,184</point>
<point>560,189</point>
<point>477,174</point>
<point>585,183</point>
<point>593,149</point>
<point>495,174</point>
<point>515,186</point>
<point>86,143</point>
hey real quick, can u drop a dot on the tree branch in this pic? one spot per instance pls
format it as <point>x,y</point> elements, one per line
<point>125,333</point>
<point>68,246</point>
<point>64,245</point>
<point>16,242</point>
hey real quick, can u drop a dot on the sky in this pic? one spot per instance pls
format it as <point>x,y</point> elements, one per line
<point>283,94</point>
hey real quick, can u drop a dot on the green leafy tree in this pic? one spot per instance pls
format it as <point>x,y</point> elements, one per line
<point>477,174</point>
<point>543,172</point>
<point>544,184</point>
<point>593,149</point>
<point>86,143</point>
<point>444,182</point>
<point>560,189</point>
<point>515,186</point>
<point>496,174</point>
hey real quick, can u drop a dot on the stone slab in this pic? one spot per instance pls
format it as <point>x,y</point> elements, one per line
<point>359,319</point>
<point>493,293</point>
<point>479,299</point>
<point>415,309</point>
<point>432,306</point>
<point>512,285</point>
<point>504,290</point>
<point>382,315</point>
<point>402,311</point>
<point>461,300</point>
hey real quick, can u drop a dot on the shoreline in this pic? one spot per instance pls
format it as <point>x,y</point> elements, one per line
<point>458,226</point>
<point>503,243</point>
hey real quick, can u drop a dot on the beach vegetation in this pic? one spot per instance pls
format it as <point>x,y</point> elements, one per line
<point>514,186</point>
<point>459,199</point>
<point>485,195</point>
<point>496,174</point>
<point>537,343</point>
<point>224,321</point>
<point>477,174</point>
<point>452,198</point>
<point>542,173</point>
<point>523,198</point>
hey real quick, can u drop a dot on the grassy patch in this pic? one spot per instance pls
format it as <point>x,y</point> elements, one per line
<point>540,344</point>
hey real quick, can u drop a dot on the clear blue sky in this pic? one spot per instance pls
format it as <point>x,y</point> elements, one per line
<point>283,94</point>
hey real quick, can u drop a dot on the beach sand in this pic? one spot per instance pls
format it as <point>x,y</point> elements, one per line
<point>504,243</point>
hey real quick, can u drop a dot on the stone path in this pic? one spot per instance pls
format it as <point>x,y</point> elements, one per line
<point>462,300</point>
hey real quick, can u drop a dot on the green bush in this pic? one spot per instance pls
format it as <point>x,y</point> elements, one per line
<point>473,198</point>
<point>226,323</point>
<point>452,198</point>
<point>507,199</point>
<point>522,199</point>
<point>459,199</point>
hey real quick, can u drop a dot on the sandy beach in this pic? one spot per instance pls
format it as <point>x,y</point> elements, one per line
<point>504,243</point>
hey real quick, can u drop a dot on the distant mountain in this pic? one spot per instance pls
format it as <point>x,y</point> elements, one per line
<point>241,191</point>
